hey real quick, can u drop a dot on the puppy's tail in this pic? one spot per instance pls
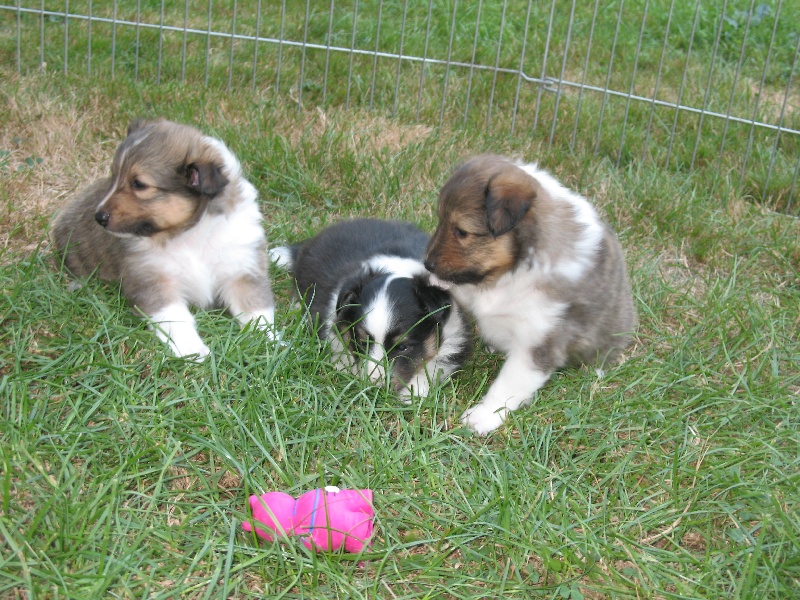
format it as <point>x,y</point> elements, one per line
<point>283,256</point>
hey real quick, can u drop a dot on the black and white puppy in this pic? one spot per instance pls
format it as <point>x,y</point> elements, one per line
<point>177,224</point>
<point>368,292</point>
<point>542,274</point>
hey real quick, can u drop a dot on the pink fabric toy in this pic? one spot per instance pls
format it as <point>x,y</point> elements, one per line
<point>323,519</point>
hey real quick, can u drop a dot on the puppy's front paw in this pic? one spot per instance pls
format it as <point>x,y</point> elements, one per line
<point>419,386</point>
<point>174,325</point>
<point>404,396</point>
<point>483,418</point>
<point>274,335</point>
<point>264,321</point>
<point>196,352</point>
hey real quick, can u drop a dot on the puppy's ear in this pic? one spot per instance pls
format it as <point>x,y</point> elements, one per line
<point>346,298</point>
<point>509,195</point>
<point>349,294</point>
<point>205,178</point>
<point>137,124</point>
<point>433,300</point>
<point>348,307</point>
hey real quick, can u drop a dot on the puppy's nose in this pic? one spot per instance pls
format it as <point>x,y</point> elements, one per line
<point>430,265</point>
<point>102,217</point>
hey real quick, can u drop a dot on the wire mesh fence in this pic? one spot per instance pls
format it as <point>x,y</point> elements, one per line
<point>692,86</point>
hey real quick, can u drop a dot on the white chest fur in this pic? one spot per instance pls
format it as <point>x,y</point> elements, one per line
<point>218,248</point>
<point>513,313</point>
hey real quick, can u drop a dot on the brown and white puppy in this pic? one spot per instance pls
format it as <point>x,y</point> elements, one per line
<point>542,274</point>
<point>178,224</point>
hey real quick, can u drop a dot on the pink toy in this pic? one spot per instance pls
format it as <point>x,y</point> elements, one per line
<point>323,519</point>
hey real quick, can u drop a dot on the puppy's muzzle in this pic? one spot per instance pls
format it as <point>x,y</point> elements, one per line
<point>430,265</point>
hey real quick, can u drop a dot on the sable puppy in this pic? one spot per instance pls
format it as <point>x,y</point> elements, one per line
<point>368,292</point>
<point>178,224</point>
<point>542,274</point>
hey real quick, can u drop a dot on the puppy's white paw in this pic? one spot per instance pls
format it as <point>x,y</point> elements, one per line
<point>193,350</point>
<point>404,396</point>
<point>275,336</point>
<point>419,386</point>
<point>263,320</point>
<point>483,418</point>
<point>174,325</point>
<point>273,333</point>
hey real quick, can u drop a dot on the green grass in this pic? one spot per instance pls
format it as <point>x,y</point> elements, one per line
<point>125,473</point>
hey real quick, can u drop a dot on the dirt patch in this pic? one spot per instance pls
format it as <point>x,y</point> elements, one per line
<point>694,541</point>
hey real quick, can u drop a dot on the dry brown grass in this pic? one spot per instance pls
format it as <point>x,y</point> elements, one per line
<point>46,126</point>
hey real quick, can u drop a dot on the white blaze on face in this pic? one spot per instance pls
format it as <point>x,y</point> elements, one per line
<point>397,266</point>
<point>133,140</point>
<point>378,321</point>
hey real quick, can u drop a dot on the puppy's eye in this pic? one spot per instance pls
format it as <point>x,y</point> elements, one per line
<point>460,233</point>
<point>138,184</point>
<point>401,347</point>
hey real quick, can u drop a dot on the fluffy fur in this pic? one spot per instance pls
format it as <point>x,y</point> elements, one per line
<point>178,224</point>
<point>368,292</point>
<point>542,274</point>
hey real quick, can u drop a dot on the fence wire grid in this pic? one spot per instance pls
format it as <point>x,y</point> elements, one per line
<point>692,86</point>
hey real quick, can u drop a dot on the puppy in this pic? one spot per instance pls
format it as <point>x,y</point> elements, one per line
<point>178,224</point>
<point>368,292</point>
<point>542,274</point>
